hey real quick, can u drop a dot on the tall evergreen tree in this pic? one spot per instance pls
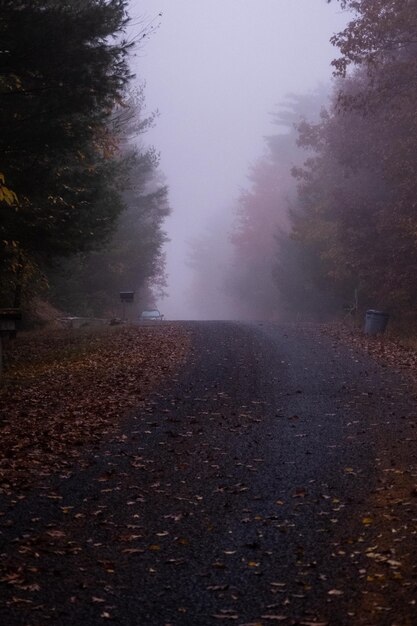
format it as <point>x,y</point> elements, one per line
<point>132,259</point>
<point>63,66</point>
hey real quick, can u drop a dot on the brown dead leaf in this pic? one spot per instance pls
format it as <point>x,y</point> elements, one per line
<point>56,534</point>
<point>133,551</point>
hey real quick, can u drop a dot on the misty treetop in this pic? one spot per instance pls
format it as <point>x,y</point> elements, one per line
<point>132,259</point>
<point>258,286</point>
<point>64,73</point>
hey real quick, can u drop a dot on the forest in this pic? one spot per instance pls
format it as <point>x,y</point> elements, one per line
<point>327,225</point>
<point>82,200</point>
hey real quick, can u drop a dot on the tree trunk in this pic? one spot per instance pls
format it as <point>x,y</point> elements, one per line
<point>17,301</point>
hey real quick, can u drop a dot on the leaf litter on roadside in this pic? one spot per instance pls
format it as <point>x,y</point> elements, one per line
<point>64,389</point>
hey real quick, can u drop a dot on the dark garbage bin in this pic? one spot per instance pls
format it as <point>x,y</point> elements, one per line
<point>375,322</point>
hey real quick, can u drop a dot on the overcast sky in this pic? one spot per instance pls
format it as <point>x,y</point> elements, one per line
<point>215,69</point>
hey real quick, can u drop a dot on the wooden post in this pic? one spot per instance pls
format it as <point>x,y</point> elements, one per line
<point>8,319</point>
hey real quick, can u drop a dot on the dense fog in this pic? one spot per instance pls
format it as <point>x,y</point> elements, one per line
<point>218,72</point>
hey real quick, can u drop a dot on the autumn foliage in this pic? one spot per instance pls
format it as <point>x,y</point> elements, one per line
<point>358,189</point>
<point>344,237</point>
<point>265,260</point>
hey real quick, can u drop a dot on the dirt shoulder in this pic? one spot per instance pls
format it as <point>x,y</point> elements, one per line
<point>63,389</point>
<point>391,351</point>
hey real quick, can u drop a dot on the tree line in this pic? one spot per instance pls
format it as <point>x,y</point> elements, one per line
<point>83,203</point>
<point>329,219</point>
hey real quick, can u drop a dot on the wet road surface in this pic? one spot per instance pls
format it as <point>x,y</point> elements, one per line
<point>273,481</point>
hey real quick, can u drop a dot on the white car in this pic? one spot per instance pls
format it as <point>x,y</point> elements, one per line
<point>151,314</point>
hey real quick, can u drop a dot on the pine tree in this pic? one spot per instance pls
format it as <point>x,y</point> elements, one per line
<point>63,66</point>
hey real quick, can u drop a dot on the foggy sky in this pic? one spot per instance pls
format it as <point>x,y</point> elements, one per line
<point>215,69</point>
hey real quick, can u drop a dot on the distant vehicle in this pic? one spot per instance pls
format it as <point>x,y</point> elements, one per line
<point>151,314</point>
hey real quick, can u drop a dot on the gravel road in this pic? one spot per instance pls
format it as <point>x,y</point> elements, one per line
<point>272,481</point>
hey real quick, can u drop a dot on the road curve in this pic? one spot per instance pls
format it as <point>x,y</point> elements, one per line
<point>272,481</point>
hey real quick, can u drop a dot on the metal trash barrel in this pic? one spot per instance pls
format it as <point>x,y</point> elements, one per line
<point>375,322</point>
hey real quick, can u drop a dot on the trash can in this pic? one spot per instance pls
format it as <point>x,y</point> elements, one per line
<point>375,322</point>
